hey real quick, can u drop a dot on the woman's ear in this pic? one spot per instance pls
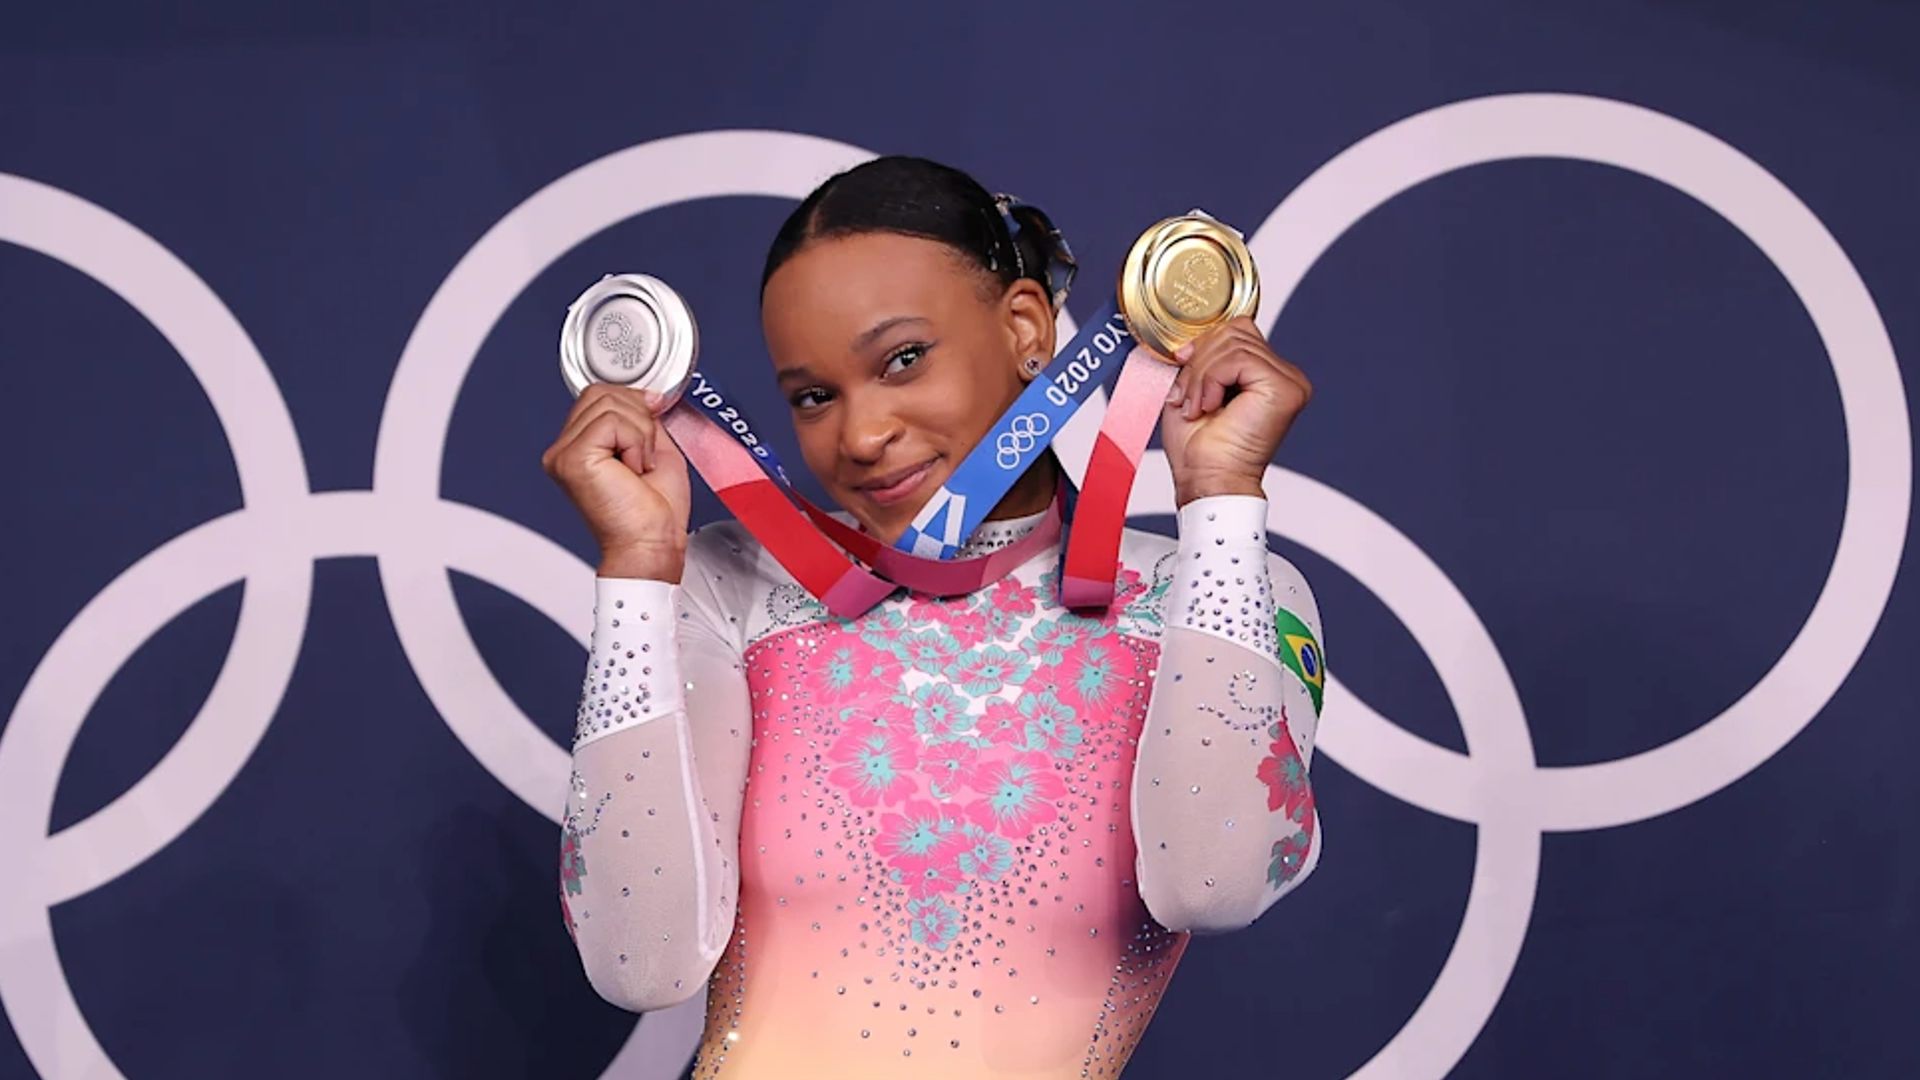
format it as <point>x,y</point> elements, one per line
<point>1030,321</point>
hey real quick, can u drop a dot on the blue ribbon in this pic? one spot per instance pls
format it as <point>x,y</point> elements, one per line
<point>1022,434</point>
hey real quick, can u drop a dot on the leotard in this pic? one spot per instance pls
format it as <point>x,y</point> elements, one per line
<point>955,837</point>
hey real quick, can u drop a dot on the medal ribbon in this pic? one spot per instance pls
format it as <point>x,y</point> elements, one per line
<point>826,554</point>
<point>1093,550</point>
<point>750,481</point>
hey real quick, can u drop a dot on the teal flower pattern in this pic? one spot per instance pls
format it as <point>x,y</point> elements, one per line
<point>1051,640</point>
<point>1289,857</point>
<point>929,650</point>
<point>986,856</point>
<point>986,670</point>
<point>882,629</point>
<point>940,712</point>
<point>933,922</point>
<point>1051,727</point>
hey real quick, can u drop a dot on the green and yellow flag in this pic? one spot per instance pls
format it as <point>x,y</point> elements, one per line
<point>1301,654</point>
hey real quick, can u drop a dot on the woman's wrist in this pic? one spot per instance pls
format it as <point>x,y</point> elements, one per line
<point>647,562</point>
<point>1188,488</point>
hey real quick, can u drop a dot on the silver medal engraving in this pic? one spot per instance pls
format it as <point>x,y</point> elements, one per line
<point>630,330</point>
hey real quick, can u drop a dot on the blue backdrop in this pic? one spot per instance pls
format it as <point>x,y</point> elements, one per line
<point>1603,492</point>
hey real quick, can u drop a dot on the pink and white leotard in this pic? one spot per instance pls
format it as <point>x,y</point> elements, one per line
<point>950,838</point>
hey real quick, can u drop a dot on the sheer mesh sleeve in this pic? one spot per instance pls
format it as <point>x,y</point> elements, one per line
<point>649,870</point>
<point>1224,815</point>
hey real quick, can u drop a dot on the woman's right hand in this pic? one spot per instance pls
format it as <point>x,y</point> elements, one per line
<point>615,462</point>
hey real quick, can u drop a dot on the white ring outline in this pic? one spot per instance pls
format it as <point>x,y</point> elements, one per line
<point>46,718</point>
<point>1510,797</point>
<point>1879,438</point>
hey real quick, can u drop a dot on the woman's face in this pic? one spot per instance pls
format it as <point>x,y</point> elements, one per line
<point>896,357</point>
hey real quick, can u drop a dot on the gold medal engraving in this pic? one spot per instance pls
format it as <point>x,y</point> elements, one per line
<point>1184,277</point>
<point>1191,281</point>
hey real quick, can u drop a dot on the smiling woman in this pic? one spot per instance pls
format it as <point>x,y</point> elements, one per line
<point>901,311</point>
<point>953,836</point>
<point>879,411</point>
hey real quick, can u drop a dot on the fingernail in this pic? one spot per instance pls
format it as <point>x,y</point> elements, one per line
<point>1173,394</point>
<point>1184,352</point>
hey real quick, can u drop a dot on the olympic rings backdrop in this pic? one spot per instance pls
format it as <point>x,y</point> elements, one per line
<point>1605,493</point>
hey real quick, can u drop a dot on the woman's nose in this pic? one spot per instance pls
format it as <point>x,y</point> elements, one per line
<point>867,431</point>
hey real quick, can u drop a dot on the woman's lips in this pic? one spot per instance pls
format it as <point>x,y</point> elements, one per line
<point>902,488</point>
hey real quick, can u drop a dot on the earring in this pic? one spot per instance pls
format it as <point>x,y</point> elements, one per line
<point>1031,367</point>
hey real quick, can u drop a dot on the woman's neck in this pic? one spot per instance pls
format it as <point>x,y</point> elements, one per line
<point>1032,493</point>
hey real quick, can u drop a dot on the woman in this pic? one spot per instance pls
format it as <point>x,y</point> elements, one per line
<point>956,837</point>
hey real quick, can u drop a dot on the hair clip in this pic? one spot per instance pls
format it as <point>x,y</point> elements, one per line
<point>1061,265</point>
<point>1004,204</point>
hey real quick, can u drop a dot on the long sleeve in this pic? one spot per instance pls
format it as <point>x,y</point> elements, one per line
<point>649,870</point>
<point>1224,816</point>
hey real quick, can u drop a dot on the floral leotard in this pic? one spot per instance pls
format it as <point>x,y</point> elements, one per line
<point>956,837</point>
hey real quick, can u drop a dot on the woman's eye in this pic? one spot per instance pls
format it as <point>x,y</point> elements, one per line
<point>903,358</point>
<point>809,399</point>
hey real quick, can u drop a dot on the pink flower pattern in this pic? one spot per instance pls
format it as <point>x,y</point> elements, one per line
<point>573,863</point>
<point>1003,723</point>
<point>853,668</point>
<point>939,711</point>
<point>954,728</point>
<point>1096,676</point>
<point>1052,639</point>
<point>955,615</point>
<point>1285,775</point>
<point>923,845</point>
<point>573,867</point>
<point>929,650</point>
<point>951,767</point>
<point>1290,793</point>
<point>1021,795</point>
<point>1051,725</point>
<point>1008,604</point>
<point>987,670</point>
<point>875,763</point>
<point>1286,780</point>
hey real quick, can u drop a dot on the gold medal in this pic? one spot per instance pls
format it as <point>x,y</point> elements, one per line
<point>1185,276</point>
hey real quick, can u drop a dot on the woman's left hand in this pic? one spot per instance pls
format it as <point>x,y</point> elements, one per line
<point>1230,406</point>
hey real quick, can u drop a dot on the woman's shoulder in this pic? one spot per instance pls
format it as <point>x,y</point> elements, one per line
<point>724,545</point>
<point>747,593</point>
<point>728,570</point>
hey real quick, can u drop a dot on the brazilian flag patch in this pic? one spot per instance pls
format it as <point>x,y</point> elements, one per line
<point>1301,654</point>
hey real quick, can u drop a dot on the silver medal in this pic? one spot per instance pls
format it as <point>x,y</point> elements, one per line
<point>630,330</point>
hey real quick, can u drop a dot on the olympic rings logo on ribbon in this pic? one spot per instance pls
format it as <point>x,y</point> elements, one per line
<point>1015,443</point>
<point>417,537</point>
